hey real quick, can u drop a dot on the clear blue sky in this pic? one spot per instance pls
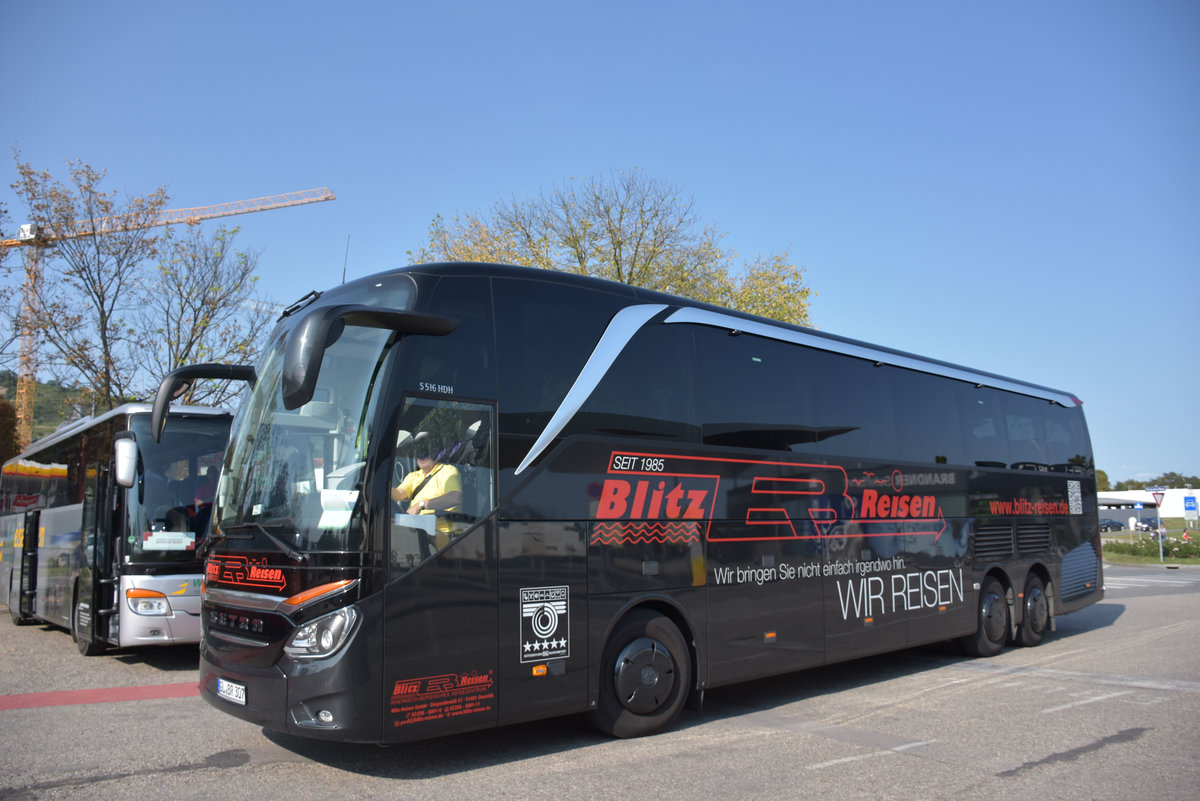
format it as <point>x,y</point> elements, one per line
<point>1009,185</point>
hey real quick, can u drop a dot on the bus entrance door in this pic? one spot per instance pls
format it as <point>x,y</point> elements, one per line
<point>26,581</point>
<point>104,556</point>
<point>95,601</point>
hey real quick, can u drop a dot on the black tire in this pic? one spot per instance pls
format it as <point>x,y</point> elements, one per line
<point>86,647</point>
<point>1035,617</point>
<point>645,677</point>
<point>991,635</point>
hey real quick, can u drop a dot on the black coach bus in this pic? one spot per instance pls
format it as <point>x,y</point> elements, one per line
<point>466,495</point>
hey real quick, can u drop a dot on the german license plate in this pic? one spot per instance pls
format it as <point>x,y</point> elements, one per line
<point>231,691</point>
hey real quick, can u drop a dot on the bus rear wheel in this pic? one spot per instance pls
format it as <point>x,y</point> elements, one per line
<point>645,677</point>
<point>991,634</point>
<point>1035,618</point>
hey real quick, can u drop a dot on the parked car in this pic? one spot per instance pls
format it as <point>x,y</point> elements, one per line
<point>1110,525</point>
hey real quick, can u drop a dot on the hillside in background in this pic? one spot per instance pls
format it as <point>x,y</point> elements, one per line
<point>52,403</point>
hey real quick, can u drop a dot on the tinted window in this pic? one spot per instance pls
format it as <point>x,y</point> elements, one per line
<point>650,390</point>
<point>545,333</point>
<point>1027,448</point>
<point>927,418</point>
<point>461,363</point>
<point>984,432</point>
<point>754,392</point>
<point>851,405</point>
<point>1066,438</point>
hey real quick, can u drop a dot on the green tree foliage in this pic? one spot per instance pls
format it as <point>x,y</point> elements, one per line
<point>630,229</point>
<point>8,431</point>
<point>1102,484</point>
<point>1170,480</point>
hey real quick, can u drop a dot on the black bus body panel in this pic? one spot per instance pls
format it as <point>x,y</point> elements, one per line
<point>440,642</point>
<point>775,543</point>
<point>288,695</point>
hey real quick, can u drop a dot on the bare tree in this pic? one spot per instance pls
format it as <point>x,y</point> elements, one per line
<point>632,229</point>
<point>84,306</point>
<point>200,305</point>
<point>123,300</point>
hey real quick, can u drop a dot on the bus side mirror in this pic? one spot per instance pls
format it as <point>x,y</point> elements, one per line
<point>321,327</point>
<point>180,380</point>
<point>125,458</point>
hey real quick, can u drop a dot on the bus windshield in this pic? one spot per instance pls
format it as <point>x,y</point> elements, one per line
<point>296,474</point>
<point>169,510</point>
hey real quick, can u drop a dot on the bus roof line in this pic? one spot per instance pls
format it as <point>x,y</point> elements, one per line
<point>620,330</point>
<point>72,427</point>
<point>862,351</point>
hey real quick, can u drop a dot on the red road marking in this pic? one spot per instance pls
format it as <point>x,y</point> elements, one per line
<point>102,696</point>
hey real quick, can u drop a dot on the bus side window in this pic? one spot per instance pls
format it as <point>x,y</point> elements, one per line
<point>1026,434</point>
<point>927,425</point>
<point>442,479</point>
<point>984,431</point>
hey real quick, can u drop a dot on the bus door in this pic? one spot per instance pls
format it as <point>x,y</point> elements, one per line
<point>22,607</point>
<point>439,615</point>
<point>95,599</point>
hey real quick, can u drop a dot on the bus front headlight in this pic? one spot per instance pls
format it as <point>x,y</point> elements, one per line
<point>323,636</point>
<point>147,602</point>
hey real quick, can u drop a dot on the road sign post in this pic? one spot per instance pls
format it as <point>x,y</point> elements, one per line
<point>1159,493</point>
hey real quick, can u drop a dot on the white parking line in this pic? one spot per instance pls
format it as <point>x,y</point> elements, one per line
<point>871,755</point>
<point>1086,701</point>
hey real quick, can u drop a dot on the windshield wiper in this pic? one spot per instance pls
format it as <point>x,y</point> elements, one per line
<point>213,539</point>
<point>242,534</point>
<point>292,553</point>
<point>300,304</point>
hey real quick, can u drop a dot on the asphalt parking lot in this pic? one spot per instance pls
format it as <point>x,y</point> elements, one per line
<point>1106,708</point>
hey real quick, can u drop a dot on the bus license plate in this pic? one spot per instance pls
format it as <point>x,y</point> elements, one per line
<point>231,691</point>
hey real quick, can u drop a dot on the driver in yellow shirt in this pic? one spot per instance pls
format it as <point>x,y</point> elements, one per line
<point>433,487</point>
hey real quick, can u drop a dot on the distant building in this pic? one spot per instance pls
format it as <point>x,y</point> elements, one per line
<point>1173,504</point>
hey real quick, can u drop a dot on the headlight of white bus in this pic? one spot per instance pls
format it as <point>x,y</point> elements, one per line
<point>147,602</point>
<point>323,636</point>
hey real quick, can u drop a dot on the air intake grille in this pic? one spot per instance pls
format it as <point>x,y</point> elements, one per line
<point>1033,537</point>
<point>993,540</point>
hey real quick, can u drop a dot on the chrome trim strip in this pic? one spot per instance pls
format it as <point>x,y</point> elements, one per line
<point>621,329</point>
<point>237,640</point>
<point>718,320</point>
<point>243,600</point>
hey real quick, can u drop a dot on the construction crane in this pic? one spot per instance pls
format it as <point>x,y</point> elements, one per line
<point>37,238</point>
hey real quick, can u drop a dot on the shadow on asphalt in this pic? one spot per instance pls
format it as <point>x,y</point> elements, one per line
<point>167,658</point>
<point>476,750</point>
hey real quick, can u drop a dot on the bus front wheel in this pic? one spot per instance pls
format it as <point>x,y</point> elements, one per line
<point>645,677</point>
<point>991,634</point>
<point>78,627</point>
